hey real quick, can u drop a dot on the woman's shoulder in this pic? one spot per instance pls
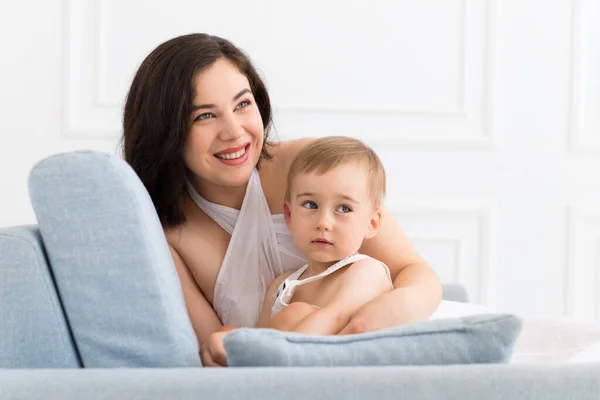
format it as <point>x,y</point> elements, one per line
<point>283,153</point>
<point>273,172</point>
<point>290,148</point>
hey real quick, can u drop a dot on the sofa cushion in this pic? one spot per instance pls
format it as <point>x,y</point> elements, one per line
<point>112,264</point>
<point>33,328</point>
<point>458,382</point>
<point>474,339</point>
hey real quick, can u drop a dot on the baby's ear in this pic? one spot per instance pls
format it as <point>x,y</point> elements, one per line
<point>287,214</point>
<point>373,224</point>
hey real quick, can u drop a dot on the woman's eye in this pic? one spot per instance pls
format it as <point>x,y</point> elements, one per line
<point>204,116</point>
<point>344,209</point>
<point>243,104</point>
<point>310,205</point>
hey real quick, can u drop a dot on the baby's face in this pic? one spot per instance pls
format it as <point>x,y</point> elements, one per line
<point>331,214</point>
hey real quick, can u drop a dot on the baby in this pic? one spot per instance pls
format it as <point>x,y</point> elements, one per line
<point>332,204</point>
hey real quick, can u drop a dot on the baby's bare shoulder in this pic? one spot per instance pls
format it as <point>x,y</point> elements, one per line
<point>367,269</point>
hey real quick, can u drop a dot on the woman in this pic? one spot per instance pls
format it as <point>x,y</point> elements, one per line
<point>196,131</point>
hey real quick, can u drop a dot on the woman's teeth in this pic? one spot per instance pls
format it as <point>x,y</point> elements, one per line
<point>232,156</point>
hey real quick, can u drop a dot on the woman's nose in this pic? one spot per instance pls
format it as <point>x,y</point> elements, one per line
<point>231,129</point>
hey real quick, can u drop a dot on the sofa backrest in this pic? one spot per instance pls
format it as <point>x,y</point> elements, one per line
<point>111,262</point>
<point>33,329</point>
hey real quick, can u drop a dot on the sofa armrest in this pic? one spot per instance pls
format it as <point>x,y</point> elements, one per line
<point>33,329</point>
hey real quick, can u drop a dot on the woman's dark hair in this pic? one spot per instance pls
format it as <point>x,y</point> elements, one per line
<point>157,115</point>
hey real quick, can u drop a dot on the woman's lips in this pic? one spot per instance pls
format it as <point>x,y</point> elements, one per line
<point>234,156</point>
<point>232,150</point>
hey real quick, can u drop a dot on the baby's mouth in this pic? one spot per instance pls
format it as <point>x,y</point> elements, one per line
<point>322,241</point>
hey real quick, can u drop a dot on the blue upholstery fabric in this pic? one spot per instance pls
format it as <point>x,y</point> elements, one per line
<point>111,262</point>
<point>475,339</point>
<point>33,329</point>
<point>460,382</point>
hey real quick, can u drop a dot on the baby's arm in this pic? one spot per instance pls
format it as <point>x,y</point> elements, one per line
<point>361,282</point>
<point>265,315</point>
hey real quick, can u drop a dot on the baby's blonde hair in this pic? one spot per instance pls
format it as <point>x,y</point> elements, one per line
<point>324,154</point>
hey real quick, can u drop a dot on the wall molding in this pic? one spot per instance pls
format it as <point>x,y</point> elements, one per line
<point>584,123</point>
<point>89,112</point>
<point>456,242</point>
<point>477,276</point>
<point>582,268</point>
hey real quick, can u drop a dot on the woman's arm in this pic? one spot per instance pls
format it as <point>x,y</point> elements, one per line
<point>214,354</point>
<point>204,319</point>
<point>360,283</point>
<point>418,290</point>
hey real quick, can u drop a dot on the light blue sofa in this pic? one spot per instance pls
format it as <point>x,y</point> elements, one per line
<point>91,308</point>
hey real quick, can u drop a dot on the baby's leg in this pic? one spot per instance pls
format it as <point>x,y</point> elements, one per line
<point>289,317</point>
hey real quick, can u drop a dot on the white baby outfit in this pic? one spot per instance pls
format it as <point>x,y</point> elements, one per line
<point>286,290</point>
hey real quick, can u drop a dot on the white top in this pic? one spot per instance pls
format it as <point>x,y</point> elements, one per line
<point>286,290</point>
<point>261,248</point>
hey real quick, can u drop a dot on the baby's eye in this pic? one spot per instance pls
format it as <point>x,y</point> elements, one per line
<point>344,209</point>
<point>243,104</point>
<point>310,205</point>
<point>204,116</point>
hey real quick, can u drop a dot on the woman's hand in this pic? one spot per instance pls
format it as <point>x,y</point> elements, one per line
<point>207,357</point>
<point>212,352</point>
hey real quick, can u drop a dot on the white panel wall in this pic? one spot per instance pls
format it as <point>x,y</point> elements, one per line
<point>582,275</point>
<point>485,113</point>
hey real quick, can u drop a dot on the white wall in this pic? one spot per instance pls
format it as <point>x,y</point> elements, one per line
<point>482,111</point>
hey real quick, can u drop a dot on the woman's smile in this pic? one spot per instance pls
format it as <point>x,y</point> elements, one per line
<point>235,155</point>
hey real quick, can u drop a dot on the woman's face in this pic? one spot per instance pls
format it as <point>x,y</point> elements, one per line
<point>227,133</point>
